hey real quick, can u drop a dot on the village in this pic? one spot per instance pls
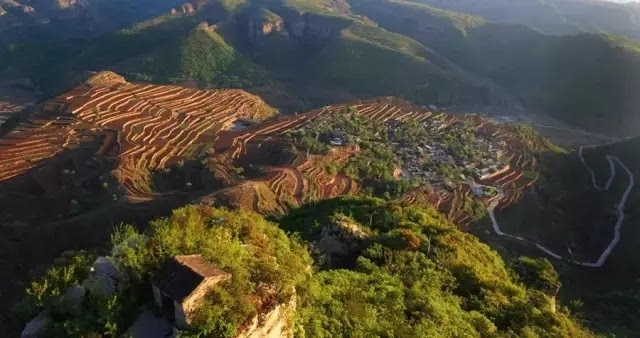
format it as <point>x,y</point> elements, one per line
<point>432,160</point>
<point>432,152</point>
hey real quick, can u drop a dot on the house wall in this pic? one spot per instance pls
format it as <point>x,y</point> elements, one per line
<point>180,316</point>
<point>190,304</point>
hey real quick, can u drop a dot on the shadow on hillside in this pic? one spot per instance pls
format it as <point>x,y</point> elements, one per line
<point>37,224</point>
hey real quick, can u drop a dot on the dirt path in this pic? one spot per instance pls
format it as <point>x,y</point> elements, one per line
<point>619,207</point>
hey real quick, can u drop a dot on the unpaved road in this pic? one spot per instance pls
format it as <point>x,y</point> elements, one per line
<point>619,208</point>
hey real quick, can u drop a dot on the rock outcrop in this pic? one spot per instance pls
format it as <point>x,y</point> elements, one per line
<point>271,325</point>
<point>265,23</point>
<point>341,239</point>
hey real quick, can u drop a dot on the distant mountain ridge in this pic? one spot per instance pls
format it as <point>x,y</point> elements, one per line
<point>42,20</point>
<point>589,80</point>
<point>303,54</point>
<point>554,16</point>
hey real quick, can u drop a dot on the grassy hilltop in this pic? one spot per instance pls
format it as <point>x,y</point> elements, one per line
<point>411,274</point>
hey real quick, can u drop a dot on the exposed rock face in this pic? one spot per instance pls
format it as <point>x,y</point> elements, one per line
<point>36,326</point>
<point>104,279</point>
<point>66,4</point>
<point>341,239</point>
<point>271,325</point>
<point>320,28</point>
<point>304,27</point>
<point>265,25</point>
<point>309,27</point>
<point>187,8</point>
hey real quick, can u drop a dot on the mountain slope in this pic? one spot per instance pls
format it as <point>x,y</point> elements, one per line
<point>307,52</point>
<point>44,20</point>
<point>554,16</point>
<point>200,55</point>
<point>406,272</point>
<point>575,210</point>
<point>302,45</point>
<point>587,80</point>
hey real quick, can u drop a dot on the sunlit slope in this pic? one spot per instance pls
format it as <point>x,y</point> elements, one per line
<point>588,80</point>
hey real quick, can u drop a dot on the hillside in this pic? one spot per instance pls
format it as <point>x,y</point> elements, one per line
<point>325,52</point>
<point>42,20</point>
<point>587,80</point>
<point>111,151</point>
<point>554,16</point>
<point>125,138</point>
<point>582,210</point>
<point>202,55</point>
<point>302,55</point>
<point>409,272</point>
<point>341,122</point>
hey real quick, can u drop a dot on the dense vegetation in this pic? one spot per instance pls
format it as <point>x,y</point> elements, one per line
<point>375,162</point>
<point>202,56</point>
<point>410,273</point>
<point>265,265</point>
<point>415,275</point>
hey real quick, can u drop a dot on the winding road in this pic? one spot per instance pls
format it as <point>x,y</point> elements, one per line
<point>619,208</point>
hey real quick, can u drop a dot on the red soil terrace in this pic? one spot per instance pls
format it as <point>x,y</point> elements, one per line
<point>116,140</point>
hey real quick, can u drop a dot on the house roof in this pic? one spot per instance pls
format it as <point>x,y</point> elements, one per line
<point>181,275</point>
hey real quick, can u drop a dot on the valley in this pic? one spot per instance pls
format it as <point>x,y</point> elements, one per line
<point>328,168</point>
<point>110,151</point>
<point>620,206</point>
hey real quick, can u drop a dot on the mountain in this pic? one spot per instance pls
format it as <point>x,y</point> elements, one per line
<point>45,20</point>
<point>586,80</point>
<point>554,16</point>
<point>301,55</point>
<point>323,51</point>
<point>114,151</point>
<point>282,108</point>
<point>582,210</point>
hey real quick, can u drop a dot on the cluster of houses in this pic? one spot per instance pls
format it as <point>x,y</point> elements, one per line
<point>425,158</point>
<point>432,161</point>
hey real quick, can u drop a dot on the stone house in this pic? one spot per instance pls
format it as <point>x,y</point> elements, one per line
<point>182,283</point>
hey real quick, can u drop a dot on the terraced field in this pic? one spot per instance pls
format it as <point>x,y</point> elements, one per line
<point>117,132</point>
<point>109,140</point>
<point>110,151</point>
<point>7,110</point>
<point>287,178</point>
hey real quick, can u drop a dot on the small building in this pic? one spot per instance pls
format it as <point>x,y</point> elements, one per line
<point>182,283</point>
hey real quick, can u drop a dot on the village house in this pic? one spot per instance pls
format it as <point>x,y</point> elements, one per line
<point>182,283</point>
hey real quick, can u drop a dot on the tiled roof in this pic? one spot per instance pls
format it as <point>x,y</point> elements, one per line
<point>181,275</point>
